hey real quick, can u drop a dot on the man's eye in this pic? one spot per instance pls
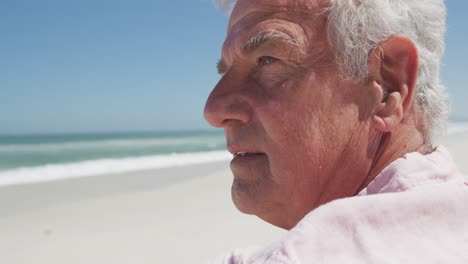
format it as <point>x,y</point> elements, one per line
<point>264,60</point>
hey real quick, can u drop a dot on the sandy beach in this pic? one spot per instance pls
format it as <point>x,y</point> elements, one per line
<point>171,215</point>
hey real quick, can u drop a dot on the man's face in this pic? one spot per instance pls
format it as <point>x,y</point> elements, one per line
<point>298,131</point>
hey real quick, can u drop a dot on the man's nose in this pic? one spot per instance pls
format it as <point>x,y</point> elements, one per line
<point>227,105</point>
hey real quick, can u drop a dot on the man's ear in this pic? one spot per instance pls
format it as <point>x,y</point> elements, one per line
<point>393,71</point>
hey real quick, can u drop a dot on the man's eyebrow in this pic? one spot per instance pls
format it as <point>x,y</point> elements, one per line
<point>258,40</point>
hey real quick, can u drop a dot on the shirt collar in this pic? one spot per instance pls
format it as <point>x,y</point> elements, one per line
<point>415,170</point>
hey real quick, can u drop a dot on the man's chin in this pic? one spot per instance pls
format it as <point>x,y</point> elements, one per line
<point>247,204</point>
<point>243,196</point>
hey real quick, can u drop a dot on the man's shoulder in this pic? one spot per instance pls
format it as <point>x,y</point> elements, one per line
<point>406,225</point>
<point>427,225</point>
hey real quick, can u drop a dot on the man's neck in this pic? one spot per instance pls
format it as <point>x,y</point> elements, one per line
<point>392,146</point>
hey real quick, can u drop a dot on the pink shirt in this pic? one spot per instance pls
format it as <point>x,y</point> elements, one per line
<point>415,211</point>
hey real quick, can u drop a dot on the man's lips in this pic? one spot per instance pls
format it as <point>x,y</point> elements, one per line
<point>246,154</point>
<point>247,159</point>
<point>238,151</point>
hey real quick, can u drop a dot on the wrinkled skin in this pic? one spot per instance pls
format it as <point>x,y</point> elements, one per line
<point>308,129</point>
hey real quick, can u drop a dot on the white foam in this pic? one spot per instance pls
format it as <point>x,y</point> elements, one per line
<point>114,143</point>
<point>106,166</point>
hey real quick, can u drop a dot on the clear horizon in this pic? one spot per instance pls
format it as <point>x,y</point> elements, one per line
<point>134,66</point>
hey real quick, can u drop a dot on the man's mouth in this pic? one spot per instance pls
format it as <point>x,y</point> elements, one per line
<point>244,154</point>
<point>245,157</point>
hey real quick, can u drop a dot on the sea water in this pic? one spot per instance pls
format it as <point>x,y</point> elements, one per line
<point>39,158</point>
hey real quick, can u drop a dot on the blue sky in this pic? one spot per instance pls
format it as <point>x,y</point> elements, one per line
<point>91,66</point>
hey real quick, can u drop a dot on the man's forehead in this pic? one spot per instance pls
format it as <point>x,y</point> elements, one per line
<point>244,7</point>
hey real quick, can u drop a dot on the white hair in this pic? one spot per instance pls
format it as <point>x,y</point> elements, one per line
<point>355,27</point>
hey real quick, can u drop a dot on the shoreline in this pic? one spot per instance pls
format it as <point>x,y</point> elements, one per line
<point>103,167</point>
<point>140,164</point>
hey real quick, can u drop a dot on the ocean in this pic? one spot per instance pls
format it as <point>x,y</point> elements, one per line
<point>40,158</point>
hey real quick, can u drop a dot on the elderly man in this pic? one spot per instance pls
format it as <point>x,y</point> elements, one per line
<point>329,108</point>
